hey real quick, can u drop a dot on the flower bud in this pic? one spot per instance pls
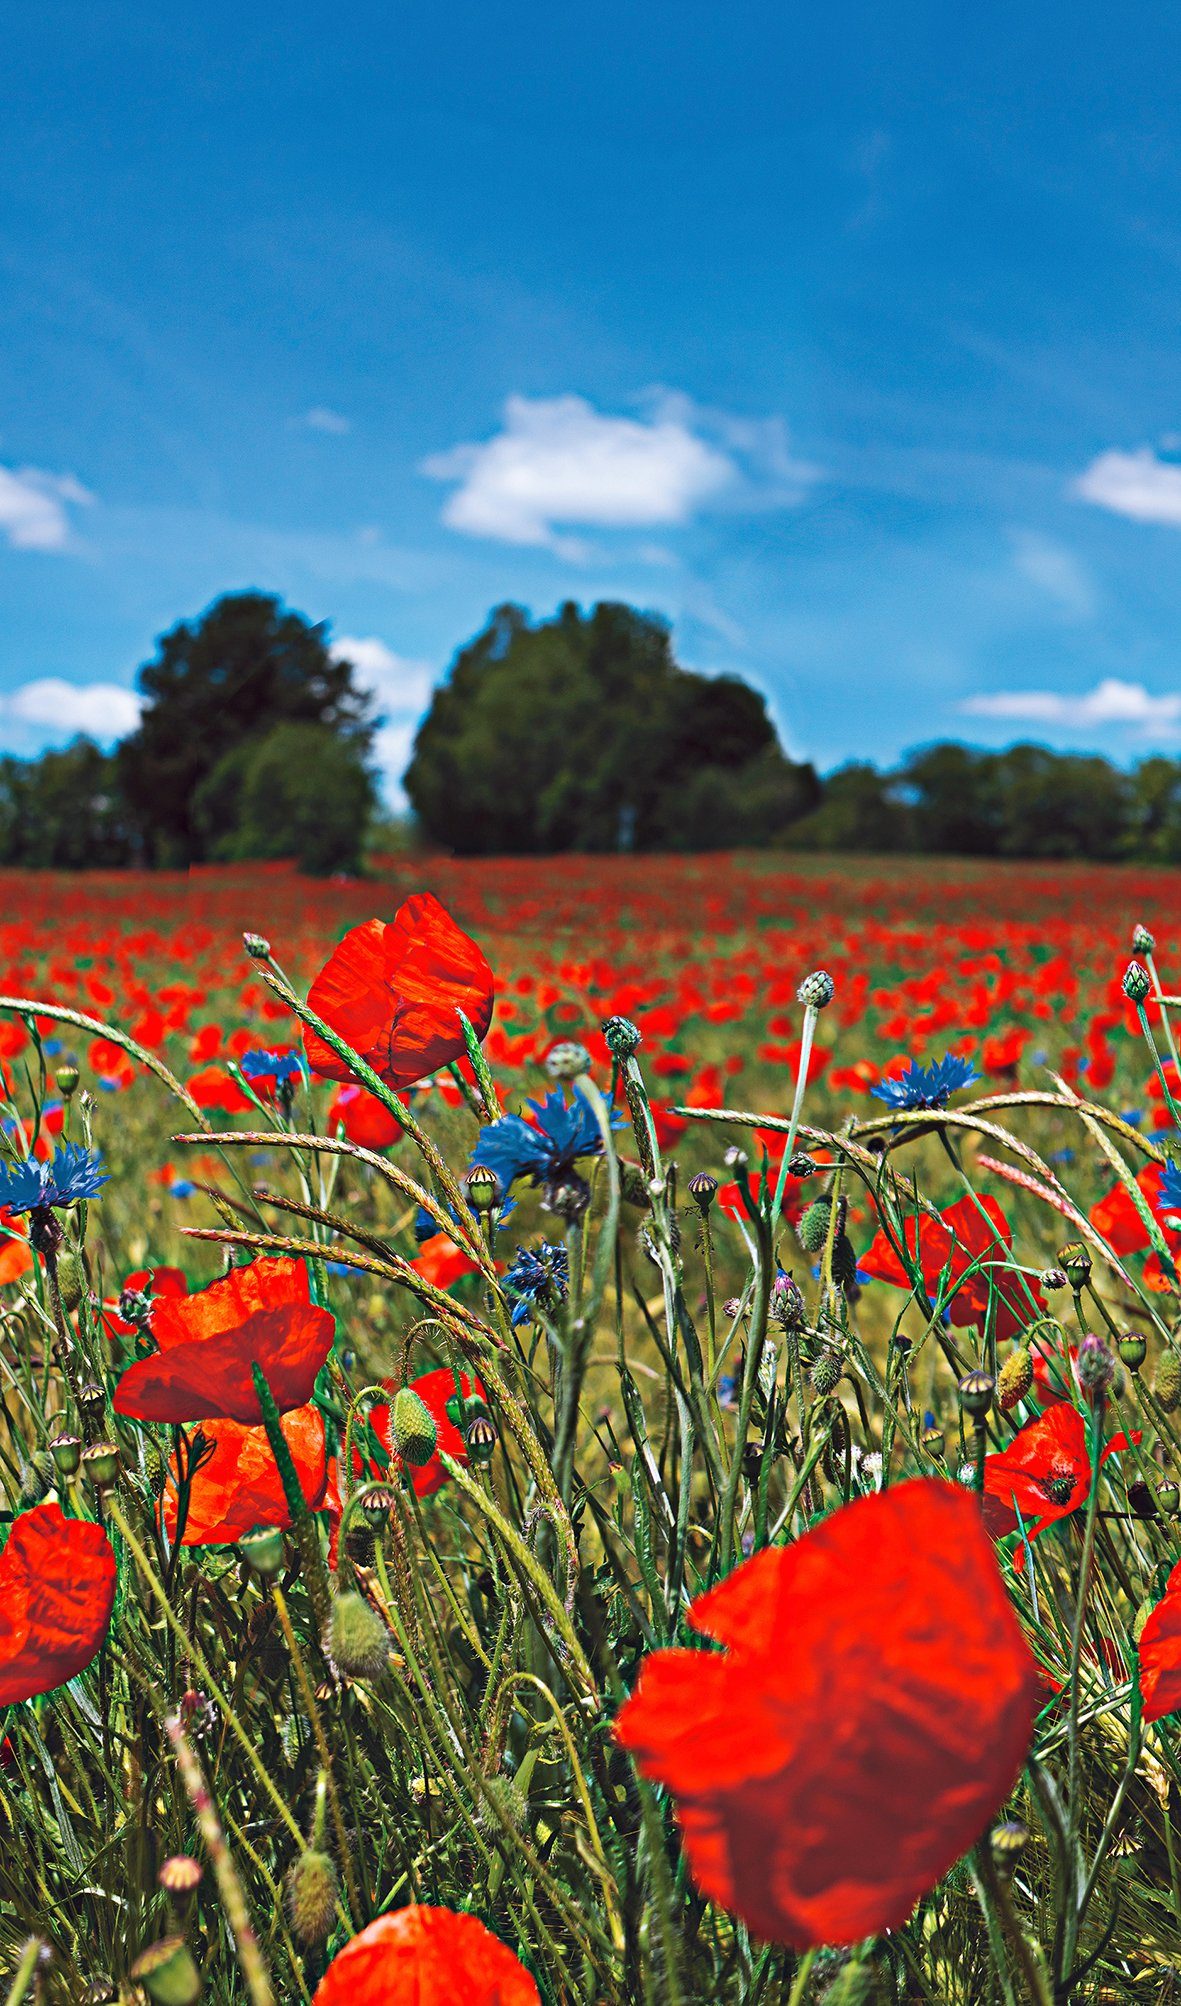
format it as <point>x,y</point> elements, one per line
<point>812,1230</point>
<point>1143,942</point>
<point>1167,1384</point>
<point>1053,1278</point>
<point>66,1451</point>
<point>703,1189</point>
<point>622,1037</point>
<point>976,1389</point>
<point>167,1973</point>
<point>256,947</point>
<point>413,1428</point>
<point>71,1279</point>
<point>826,1373</point>
<point>817,990</point>
<point>1133,1349</point>
<point>357,1643</point>
<point>263,1549</point>
<point>567,1060</point>
<point>1095,1367</point>
<point>482,1187</point>
<point>787,1304</point>
<point>1137,983</point>
<point>1014,1379</point>
<point>1076,1263</point>
<point>312,1890</point>
<point>66,1080</point>
<point>801,1164</point>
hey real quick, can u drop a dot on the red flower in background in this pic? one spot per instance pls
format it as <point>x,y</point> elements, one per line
<point>157,1282</point>
<point>970,1241</point>
<point>239,1486</point>
<point>440,1262</point>
<point>16,1257</point>
<point>422,1956</point>
<point>392,990</point>
<point>1116,1216</point>
<point>363,1118</point>
<point>869,1715</point>
<point>435,1389</point>
<point>209,1341</point>
<point>1045,1473</point>
<point>57,1585</point>
<point>1160,1653</point>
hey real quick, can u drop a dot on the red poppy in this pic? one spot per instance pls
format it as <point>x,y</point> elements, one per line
<point>239,1486</point>
<point>422,1956</point>
<point>363,1118</point>
<point>209,1341</point>
<point>1160,1653</point>
<point>57,1585</point>
<point>846,1748</point>
<point>970,1241</point>
<point>435,1389</point>
<point>154,1281</point>
<point>440,1262</point>
<point>1045,1473</point>
<point>213,1088</point>
<point>392,990</point>
<point>16,1257</point>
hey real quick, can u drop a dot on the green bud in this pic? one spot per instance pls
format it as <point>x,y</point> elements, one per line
<point>357,1643</point>
<point>66,1080</point>
<point>312,1889</point>
<point>263,1548</point>
<point>71,1279</point>
<point>817,990</point>
<point>812,1230</point>
<point>1137,984</point>
<point>167,1973</point>
<point>1014,1379</point>
<point>413,1429</point>
<point>622,1037</point>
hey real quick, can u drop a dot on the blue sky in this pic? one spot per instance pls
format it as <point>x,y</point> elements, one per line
<point>847,338</point>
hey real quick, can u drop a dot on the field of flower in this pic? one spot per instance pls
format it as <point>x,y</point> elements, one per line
<point>378,1463</point>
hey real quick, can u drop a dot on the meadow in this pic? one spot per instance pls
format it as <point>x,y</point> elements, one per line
<point>823,1306</point>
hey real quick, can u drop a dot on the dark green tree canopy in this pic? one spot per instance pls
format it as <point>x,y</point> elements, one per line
<point>582,732</point>
<point>247,665</point>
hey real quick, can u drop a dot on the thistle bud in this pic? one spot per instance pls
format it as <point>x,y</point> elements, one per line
<point>413,1428</point>
<point>567,1060</point>
<point>100,1464</point>
<point>483,1188</point>
<point>1167,1384</point>
<point>256,947</point>
<point>787,1304</point>
<point>703,1189</point>
<point>1143,942</point>
<point>1076,1264</point>
<point>263,1549</point>
<point>357,1643</point>
<point>1095,1367</point>
<point>817,990</point>
<point>976,1389</point>
<point>312,1890</point>
<point>622,1037</point>
<point>1133,1349</point>
<point>1014,1379</point>
<point>826,1373</point>
<point>167,1973</point>
<point>1137,983</point>
<point>66,1081</point>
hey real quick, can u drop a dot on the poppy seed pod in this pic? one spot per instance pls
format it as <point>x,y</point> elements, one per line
<point>703,1189</point>
<point>167,1973</point>
<point>66,1081</point>
<point>312,1889</point>
<point>180,1874</point>
<point>817,990</point>
<point>357,1643</point>
<point>1008,1842</point>
<point>1076,1263</point>
<point>413,1428</point>
<point>66,1451</point>
<point>1137,983</point>
<point>100,1464</point>
<point>263,1549</point>
<point>622,1037</point>
<point>482,1187</point>
<point>480,1436</point>
<point>1167,1496</point>
<point>976,1389</point>
<point>1133,1349</point>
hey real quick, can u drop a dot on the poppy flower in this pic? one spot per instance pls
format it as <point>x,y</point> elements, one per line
<point>208,1343</point>
<point>239,1487</point>
<point>152,1282</point>
<point>392,990</point>
<point>421,1956</point>
<point>217,1091</point>
<point>363,1118</point>
<point>440,1262</point>
<point>57,1585</point>
<point>1045,1473</point>
<point>845,1748</point>
<point>437,1390</point>
<point>16,1257</point>
<point>1160,1653</point>
<point>974,1236</point>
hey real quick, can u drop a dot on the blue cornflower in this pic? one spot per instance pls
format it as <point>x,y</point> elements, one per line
<point>1170,1189</point>
<point>546,1149</point>
<point>538,1278</point>
<point>282,1067</point>
<point>926,1086</point>
<point>75,1173</point>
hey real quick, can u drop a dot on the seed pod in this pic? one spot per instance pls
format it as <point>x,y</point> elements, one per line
<point>312,1889</point>
<point>1014,1379</point>
<point>66,1081</point>
<point>1075,1262</point>
<point>167,1973</point>
<point>703,1189</point>
<point>66,1451</point>
<point>976,1389</point>
<point>413,1428</point>
<point>263,1549</point>
<point>357,1643</point>
<point>483,1187</point>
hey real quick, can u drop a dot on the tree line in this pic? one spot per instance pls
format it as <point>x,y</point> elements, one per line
<point>581,732</point>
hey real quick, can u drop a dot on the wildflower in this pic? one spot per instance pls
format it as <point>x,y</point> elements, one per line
<point>1044,1474</point>
<point>209,1342</point>
<point>926,1086</point>
<point>844,1750</point>
<point>363,1118</point>
<point>1160,1653</point>
<point>392,991</point>
<point>545,1149</point>
<point>236,1485</point>
<point>421,1954</point>
<point>273,1074</point>
<point>57,1587</point>
<point>537,1279</point>
<point>441,1262</point>
<point>438,1392</point>
<point>75,1173</point>
<point>972,1240</point>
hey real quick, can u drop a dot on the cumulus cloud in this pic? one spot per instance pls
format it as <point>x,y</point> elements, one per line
<point>33,507</point>
<point>1138,485</point>
<point>557,464</point>
<point>402,687</point>
<point>1111,702</point>
<point>321,418</point>
<point>102,710</point>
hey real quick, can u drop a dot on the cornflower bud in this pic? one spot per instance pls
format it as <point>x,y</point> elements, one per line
<point>413,1427</point>
<point>1014,1379</point>
<point>1095,1367</point>
<point>817,990</point>
<point>1143,942</point>
<point>787,1304</point>
<point>1137,984</point>
<point>567,1060</point>
<point>801,1164</point>
<point>256,947</point>
<point>1053,1278</point>
<point>622,1037</point>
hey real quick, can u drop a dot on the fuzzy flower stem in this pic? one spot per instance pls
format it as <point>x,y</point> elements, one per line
<point>1073,1917</point>
<point>233,1901</point>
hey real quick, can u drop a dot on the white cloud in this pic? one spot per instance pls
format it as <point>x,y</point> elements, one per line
<point>322,419</point>
<point>102,710</point>
<point>1111,702</point>
<point>557,463</point>
<point>402,686</point>
<point>1137,485</point>
<point>33,507</point>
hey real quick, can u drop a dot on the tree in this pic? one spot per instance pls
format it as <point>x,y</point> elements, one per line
<point>62,811</point>
<point>247,665</point>
<point>303,791</point>
<point>582,732</point>
<point>859,811</point>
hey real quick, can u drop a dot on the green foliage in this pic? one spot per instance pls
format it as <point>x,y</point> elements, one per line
<point>301,791</point>
<point>583,733</point>
<point>62,811</point>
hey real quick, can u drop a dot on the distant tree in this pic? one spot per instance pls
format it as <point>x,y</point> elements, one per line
<point>302,791</point>
<point>859,811</point>
<point>1154,830</point>
<point>952,795</point>
<point>583,732</point>
<point>247,665</point>
<point>1061,804</point>
<point>63,811</point>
